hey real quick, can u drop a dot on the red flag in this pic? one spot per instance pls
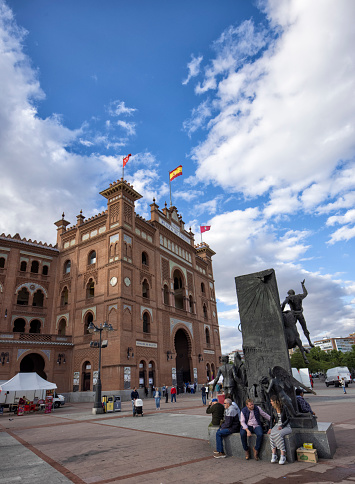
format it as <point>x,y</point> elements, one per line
<point>125,160</point>
<point>205,228</point>
<point>177,172</point>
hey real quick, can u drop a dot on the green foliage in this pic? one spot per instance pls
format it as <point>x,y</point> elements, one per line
<point>320,360</point>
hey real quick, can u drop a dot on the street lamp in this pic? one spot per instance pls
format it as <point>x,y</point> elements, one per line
<point>92,328</point>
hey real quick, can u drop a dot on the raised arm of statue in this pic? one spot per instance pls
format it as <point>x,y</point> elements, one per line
<point>304,289</point>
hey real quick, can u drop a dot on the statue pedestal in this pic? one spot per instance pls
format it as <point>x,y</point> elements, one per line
<point>306,422</point>
<point>322,437</point>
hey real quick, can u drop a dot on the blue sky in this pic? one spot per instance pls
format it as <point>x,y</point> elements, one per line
<point>254,99</point>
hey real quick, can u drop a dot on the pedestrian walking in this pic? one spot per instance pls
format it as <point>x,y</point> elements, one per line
<point>166,394</point>
<point>343,384</point>
<point>173,394</point>
<point>203,392</point>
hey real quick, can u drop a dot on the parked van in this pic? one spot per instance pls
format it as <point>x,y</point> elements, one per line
<point>334,376</point>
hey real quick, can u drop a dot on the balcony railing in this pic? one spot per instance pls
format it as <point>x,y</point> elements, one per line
<point>37,337</point>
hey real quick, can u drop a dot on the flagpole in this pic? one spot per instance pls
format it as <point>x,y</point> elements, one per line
<point>201,235</point>
<point>170,190</point>
<point>122,171</point>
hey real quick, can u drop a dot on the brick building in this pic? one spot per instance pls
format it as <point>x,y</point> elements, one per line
<point>144,277</point>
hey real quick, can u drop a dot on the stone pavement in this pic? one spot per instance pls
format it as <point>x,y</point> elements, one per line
<point>72,445</point>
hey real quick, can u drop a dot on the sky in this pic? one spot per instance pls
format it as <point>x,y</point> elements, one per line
<point>254,99</point>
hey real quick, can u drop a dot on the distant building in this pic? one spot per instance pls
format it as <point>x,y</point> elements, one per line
<point>339,344</point>
<point>144,277</point>
<point>231,355</point>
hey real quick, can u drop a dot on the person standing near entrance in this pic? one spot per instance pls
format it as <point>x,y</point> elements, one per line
<point>173,394</point>
<point>157,396</point>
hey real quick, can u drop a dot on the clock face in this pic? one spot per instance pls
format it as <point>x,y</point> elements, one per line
<point>127,281</point>
<point>113,281</point>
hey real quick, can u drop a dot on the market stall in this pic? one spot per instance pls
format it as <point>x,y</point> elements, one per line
<point>27,392</point>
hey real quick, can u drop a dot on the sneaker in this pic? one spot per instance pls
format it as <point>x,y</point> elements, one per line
<point>219,455</point>
<point>282,460</point>
<point>215,452</point>
<point>274,458</point>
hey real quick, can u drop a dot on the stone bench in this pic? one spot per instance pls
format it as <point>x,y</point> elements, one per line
<point>322,437</point>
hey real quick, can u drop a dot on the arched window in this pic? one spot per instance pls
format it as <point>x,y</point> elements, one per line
<point>145,259</point>
<point>45,270</point>
<point>35,326</point>
<point>207,333</point>
<point>66,267</point>
<point>64,297</point>
<point>202,287</point>
<point>179,290</point>
<point>90,288</point>
<point>2,262</point>
<point>62,327</point>
<point>34,267</point>
<point>92,257</point>
<point>38,299</point>
<point>166,294</point>
<point>23,297</point>
<point>205,311</point>
<point>191,304</point>
<point>19,326</point>
<point>23,266</point>
<point>146,322</point>
<point>145,289</point>
<point>88,319</point>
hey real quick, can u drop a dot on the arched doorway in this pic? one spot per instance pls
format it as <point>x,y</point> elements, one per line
<point>33,362</point>
<point>182,350</point>
<point>86,376</point>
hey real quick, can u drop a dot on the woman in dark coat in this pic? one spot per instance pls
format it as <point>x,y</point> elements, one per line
<point>279,428</point>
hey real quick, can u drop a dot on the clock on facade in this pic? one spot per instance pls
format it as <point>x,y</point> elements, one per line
<point>127,281</point>
<point>113,281</point>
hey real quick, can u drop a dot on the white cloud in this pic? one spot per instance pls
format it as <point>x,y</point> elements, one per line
<point>198,117</point>
<point>129,127</point>
<point>193,67</point>
<point>118,108</point>
<point>273,129</point>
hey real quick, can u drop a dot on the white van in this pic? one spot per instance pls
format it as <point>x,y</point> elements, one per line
<point>334,376</point>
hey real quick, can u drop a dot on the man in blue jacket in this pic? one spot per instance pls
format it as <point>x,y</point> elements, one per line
<point>230,425</point>
<point>250,423</point>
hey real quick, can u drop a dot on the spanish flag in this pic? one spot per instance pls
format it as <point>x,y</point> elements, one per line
<point>125,160</point>
<point>177,172</point>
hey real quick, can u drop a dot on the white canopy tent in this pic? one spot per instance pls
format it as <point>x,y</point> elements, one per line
<point>30,385</point>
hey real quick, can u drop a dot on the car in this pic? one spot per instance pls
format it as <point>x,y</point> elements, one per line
<point>58,400</point>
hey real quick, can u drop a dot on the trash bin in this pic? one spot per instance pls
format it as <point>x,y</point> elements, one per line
<point>109,404</point>
<point>117,403</point>
<point>104,402</point>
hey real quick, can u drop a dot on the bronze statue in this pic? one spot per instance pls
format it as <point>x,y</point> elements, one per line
<point>292,336</point>
<point>230,378</point>
<point>295,302</point>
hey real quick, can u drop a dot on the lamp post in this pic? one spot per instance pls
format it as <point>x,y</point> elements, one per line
<point>92,328</point>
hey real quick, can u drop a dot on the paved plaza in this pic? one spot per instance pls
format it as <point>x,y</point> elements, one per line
<point>170,445</point>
